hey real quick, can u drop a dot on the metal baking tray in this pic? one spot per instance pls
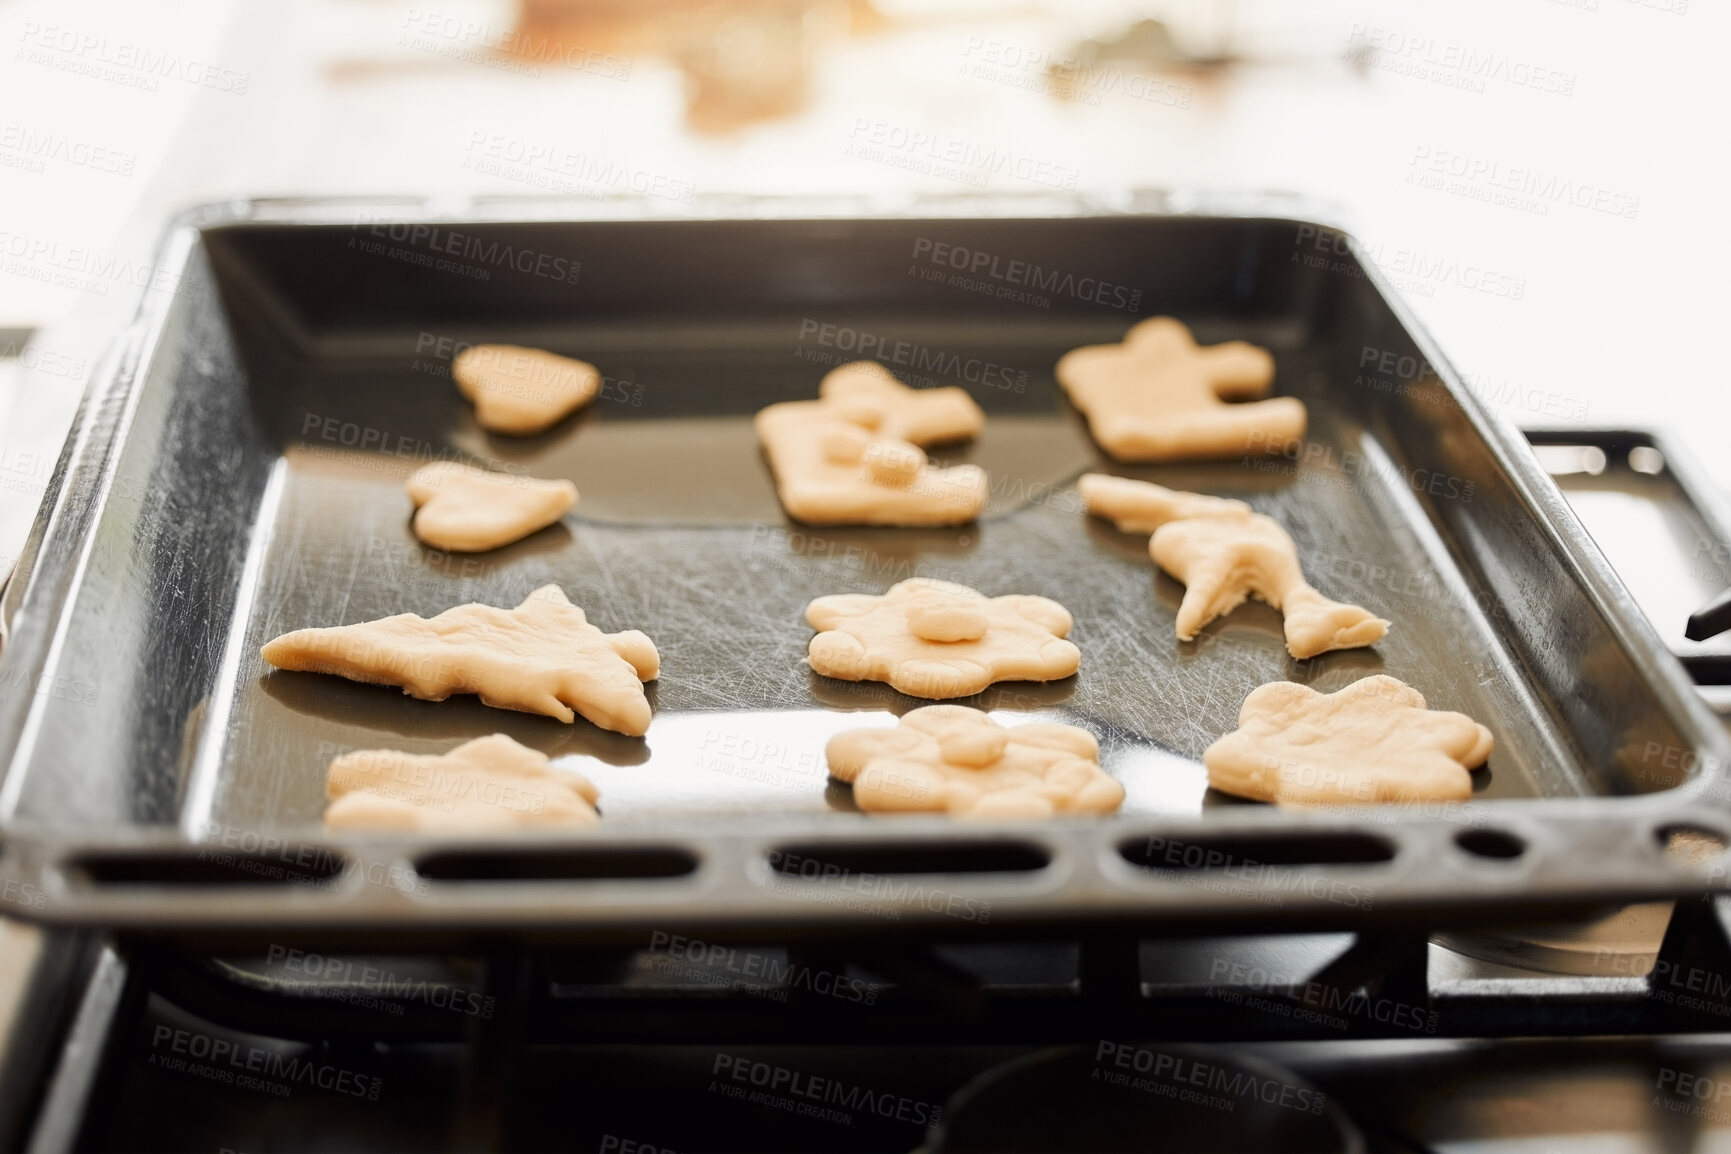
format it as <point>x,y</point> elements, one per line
<point>237,473</point>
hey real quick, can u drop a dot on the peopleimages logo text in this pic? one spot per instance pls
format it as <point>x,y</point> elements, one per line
<point>978,263</point>
<point>439,241</point>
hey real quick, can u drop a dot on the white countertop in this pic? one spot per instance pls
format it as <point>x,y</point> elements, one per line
<point>1541,178</point>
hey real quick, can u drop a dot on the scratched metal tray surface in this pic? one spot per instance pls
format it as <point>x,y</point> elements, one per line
<point>237,472</point>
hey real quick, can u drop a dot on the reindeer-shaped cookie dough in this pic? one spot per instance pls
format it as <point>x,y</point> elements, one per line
<point>1224,553</point>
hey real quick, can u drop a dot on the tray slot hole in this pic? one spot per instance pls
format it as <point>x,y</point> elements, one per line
<point>1689,845</point>
<point>831,862</point>
<point>1567,460</point>
<point>1646,459</point>
<point>1243,854</point>
<point>554,865</point>
<point>211,868</point>
<point>1496,844</point>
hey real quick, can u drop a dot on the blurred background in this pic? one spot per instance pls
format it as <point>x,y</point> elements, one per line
<point>1540,179</point>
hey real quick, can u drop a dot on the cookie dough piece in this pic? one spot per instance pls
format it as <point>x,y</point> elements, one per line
<point>541,657</point>
<point>462,509</point>
<point>853,456</point>
<point>523,391</point>
<point>1160,397</point>
<point>1224,552</point>
<point>1142,507</point>
<point>1223,560</point>
<point>872,398</point>
<point>934,639</point>
<point>1374,741</point>
<point>955,760</point>
<point>490,783</point>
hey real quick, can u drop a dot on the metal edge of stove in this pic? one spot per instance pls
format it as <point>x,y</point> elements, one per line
<point>1704,498</point>
<point>1570,852</point>
<point>83,1054</point>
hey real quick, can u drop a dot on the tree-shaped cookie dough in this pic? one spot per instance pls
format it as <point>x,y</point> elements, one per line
<point>523,391</point>
<point>541,657</point>
<point>490,783</point>
<point>462,509</point>
<point>1224,552</point>
<point>1374,741</point>
<point>1223,560</point>
<point>955,760</point>
<point>935,639</point>
<point>854,455</point>
<point>1158,396</point>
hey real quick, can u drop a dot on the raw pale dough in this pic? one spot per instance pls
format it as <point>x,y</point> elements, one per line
<point>1160,397</point>
<point>934,639</point>
<point>1142,507</point>
<point>462,509</point>
<point>854,456</point>
<point>872,398</point>
<point>956,760</point>
<point>523,391</point>
<point>541,657</point>
<point>489,783</point>
<point>1224,552</point>
<point>1372,741</point>
<point>1222,560</point>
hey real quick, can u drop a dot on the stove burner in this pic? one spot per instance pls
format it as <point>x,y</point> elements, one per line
<point>1130,1097</point>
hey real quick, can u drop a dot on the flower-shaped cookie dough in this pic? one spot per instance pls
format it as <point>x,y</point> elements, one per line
<point>1224,559</point>
<point>934,639</point>
<point>1373,741</point>
<point>490,783</point>
<point>955,760</point>
<point>462,509</point>
<point>541,657</point>
<point>523,391</point>
<point>853,456</point>
<point>1160,397</point>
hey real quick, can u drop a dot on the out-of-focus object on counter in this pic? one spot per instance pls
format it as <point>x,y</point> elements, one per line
<point>744,61</point>
<point>747,61</point>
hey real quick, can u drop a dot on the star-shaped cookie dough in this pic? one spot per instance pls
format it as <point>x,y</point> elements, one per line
<point>462,509</point>
<point>1374,741</point>
<point>1224,559</point>
<point>1160,397</point>
<point>490,783</point>
<point>854,456</point>
<point>955,760</point>
<point>541,657</point>
<point>935,639</point>
<point>523,391</point>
